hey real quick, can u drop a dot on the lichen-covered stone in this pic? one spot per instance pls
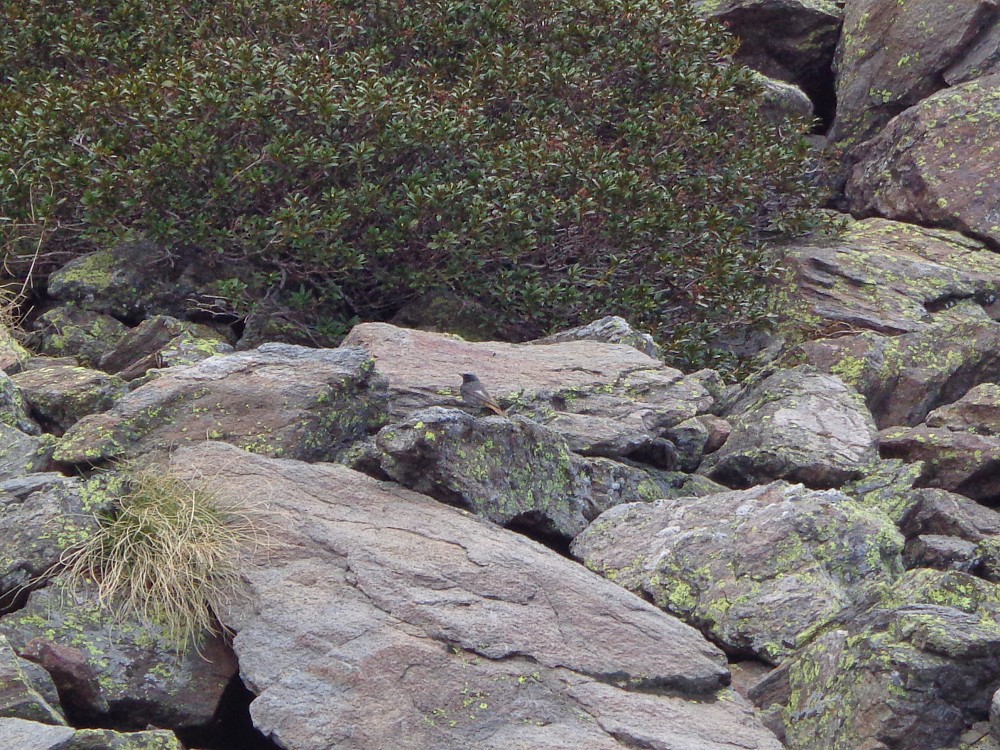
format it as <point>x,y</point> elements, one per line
<point>60,396</point>
<point>14,407</point>
<point>76,332</point>
<point>937,163</point>
<point>280,399</point>
<point>162,341</point>
<point>107,665</point>
<point>978,411</point>
<point>909,672</point>
<point>905,377</point>
<point>26,691</point>
<point>30,735</point>
<point>757,569</point>
<point>797,425</point>
<point>514,472</point>
<point>611,330</point>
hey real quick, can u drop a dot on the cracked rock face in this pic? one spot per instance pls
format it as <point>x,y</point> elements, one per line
<point>796,425</point>
<point>381,618</point>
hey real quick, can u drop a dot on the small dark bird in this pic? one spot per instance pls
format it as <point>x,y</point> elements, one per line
<point>476,396</point>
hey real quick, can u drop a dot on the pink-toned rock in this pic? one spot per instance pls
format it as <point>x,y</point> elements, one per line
<point>937,163</point>
<point>892,55</point>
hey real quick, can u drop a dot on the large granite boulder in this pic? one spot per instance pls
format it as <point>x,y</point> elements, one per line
<point>280,399</point>
<point>72,331</point>
<point>758,570</point>
<point>605,399</point>
<point>937,162</point>
<point>892,55</point>
<point>797,425</point>
<point>909,672</point>
<point>891,277</point>
<point>390,619</point>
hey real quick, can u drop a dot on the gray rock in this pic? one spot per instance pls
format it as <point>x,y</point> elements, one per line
<point>14,408</point>
<point>941,512</point>
<point>757,569</point>
<point>162,341</point>
<point>108,667</point>
<point>20,453</point>
<point>934,164</point>
<point>942,553</point>
<point>60,396</point>
<point>26,692</point>
<point>392,620</point>
<point>72,331</point>
<point>891,56</point>
<point>977,411</point>
<point>891,277</point>
<point>610,330</point>
<point>280,399</point>
<point>606,400</point>
<point>905,377</point>
<point>796,425</point>
<point>910,672</point>
<point>30,735</point>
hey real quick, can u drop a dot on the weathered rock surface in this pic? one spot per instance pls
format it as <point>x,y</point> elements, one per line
<point>162,341</point>
<point>110,669</point>
<point>71,331</point>
<point>26,691</point>
<point>756,569</point>
<point>513,472</point>
<point>14,408</point>
<point>391,619</point>
<point>904,377</point>
<point>892,278</point>
<point>977,411</point>
<point>961,462</point>
<point>942,553</point>
<point>610,330</point>
<point>30,735</point>
<point>61,395</point>
<point>280,399</point>
<point>937,163</point>
<point>797,425</point>
<point>892,55</point>
<point>910,672</point>
<point>941,512</point>
<point>791,40</point>
<point>12,353</point>
<point>605,399</point>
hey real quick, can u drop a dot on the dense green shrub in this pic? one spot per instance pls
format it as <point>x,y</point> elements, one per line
<point>556,159</point>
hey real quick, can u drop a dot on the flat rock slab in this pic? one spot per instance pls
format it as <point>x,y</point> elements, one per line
<point>891,277</point>
<point>756,568</point>
<point>605,399</point>
<point>381,618</point>
<point>798,425</point>
<point>30,735</point>
<point>937,163</point>
<point>280,399</point>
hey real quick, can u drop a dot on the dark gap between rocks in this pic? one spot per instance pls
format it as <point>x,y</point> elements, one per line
<point>232,729</point>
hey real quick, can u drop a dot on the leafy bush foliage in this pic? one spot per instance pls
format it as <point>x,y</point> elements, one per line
<point>557,159</point>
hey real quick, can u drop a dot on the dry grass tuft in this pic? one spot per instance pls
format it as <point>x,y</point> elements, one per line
<point>170,555</point>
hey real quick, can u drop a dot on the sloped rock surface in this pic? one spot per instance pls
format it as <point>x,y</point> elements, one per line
<point>977,411</point>
<point>38,522</point>
<point>393,620</point>
<point>910,672</point>
<point>14,408</point>
<point>904,377</point>
<point>796,425</point>
<point>937,162</point>
<point>610,330</point>
<point>513,472</point>
<point>114,670</point>
<point>892,278</point>
<point>605,399</point>
<point>757,569</point>
<point>61,395</point>
<point>961,462</point>
<point>280,399</point>
<point>162,341</point>
<point>24,693</point>
<point>892,55</point>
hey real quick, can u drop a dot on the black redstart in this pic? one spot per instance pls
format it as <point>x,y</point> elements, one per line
<point>476,396</point>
